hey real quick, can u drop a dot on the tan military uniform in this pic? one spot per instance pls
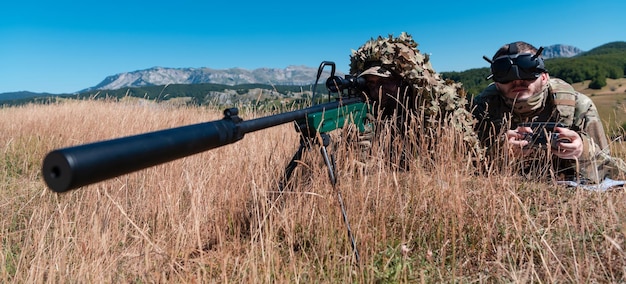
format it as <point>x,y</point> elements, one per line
<point>565,105</point>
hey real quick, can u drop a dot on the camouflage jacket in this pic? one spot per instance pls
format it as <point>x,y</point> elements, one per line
<point>565,105</point>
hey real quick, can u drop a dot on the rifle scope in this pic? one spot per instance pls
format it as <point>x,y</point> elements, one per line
<point>353,84</point>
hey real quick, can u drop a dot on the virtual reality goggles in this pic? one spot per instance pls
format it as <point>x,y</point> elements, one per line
<point>520,66</point>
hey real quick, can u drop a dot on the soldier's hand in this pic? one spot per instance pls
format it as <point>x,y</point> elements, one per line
<point>569,145</point>
<point>516,141</point>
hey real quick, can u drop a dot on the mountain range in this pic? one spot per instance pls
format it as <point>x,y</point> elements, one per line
<point>560,50</point>
<point>289,76</point>
<point>159,76</point>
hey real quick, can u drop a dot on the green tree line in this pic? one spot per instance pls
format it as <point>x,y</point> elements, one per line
<point>198,94</point>
<point>196,91</point>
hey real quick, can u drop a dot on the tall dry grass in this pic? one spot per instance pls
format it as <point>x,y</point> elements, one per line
<point>217,217</point>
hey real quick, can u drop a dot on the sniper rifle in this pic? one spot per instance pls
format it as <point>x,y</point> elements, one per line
<point>73,167</point>
<point>76,166</point>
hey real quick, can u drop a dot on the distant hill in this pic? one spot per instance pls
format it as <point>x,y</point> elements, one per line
<point>23,95</point>
<point>596,65</point>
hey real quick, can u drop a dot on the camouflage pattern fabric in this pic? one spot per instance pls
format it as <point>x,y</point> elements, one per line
<point>565,105</point>
<point>436,99</point>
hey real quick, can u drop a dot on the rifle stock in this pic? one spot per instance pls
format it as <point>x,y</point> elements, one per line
<point>72,167</point>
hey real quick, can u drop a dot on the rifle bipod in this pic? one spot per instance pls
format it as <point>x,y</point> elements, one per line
<point>305,143</point>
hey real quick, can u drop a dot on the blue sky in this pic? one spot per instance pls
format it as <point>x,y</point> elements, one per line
<point>64,46</point>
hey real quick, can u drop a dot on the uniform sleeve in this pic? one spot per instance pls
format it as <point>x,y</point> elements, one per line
<point>596,162</point>
<point>484,126</point>
<point>591,124</point>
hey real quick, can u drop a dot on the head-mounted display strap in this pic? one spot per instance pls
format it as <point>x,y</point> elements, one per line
<point>516,66</point>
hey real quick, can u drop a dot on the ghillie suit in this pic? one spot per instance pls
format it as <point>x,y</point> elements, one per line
<point>427,103</point>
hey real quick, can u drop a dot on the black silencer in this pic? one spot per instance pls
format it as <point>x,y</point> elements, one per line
<point>73,167</point>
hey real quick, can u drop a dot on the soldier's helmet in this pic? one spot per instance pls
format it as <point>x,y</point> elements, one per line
<point>398,55</point>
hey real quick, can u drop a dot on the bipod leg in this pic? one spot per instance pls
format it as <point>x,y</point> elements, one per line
<point>293,164</point>
<point>330,164</point>
<point>329,161</point>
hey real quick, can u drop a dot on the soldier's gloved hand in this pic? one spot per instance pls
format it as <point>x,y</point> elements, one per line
<point>516,141</point>
<point>569,145</point>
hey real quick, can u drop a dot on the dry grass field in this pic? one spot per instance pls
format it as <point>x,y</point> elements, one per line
<point>610,101</point>
<point>217,216</point>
